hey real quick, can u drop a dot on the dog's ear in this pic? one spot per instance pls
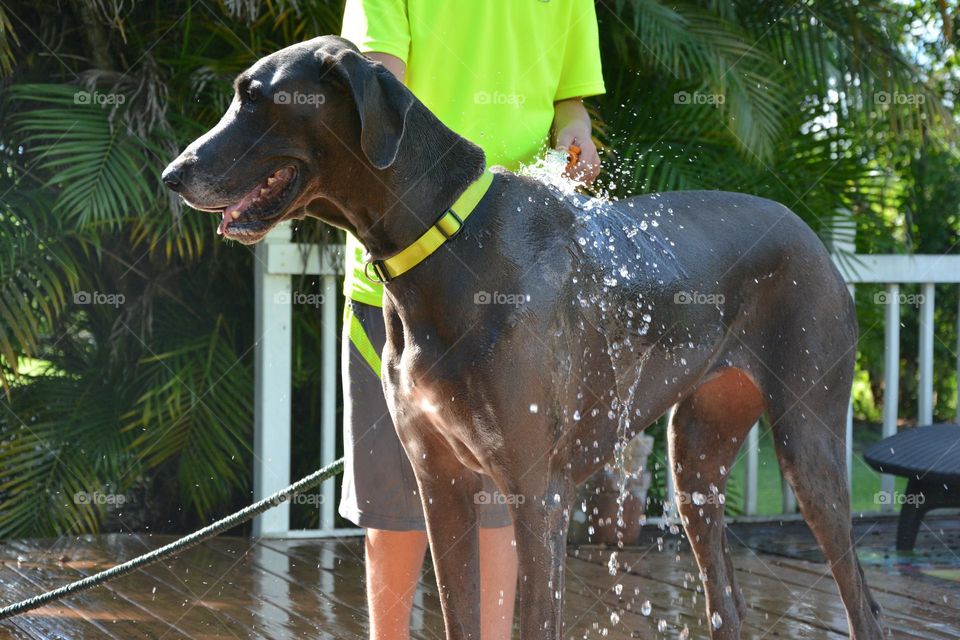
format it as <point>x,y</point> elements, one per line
<point>382,102</point>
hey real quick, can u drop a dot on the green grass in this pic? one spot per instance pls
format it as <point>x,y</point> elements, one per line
<point>865,481</point>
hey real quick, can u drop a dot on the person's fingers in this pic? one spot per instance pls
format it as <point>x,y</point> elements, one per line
<point>587,167</point>
<point>565,139</point>
<point>591,161</point>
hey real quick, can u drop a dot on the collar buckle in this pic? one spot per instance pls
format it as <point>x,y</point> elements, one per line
<point>441,224</point>
<point>380,273</point>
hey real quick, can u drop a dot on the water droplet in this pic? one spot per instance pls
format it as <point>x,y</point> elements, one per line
<point>716,620</point>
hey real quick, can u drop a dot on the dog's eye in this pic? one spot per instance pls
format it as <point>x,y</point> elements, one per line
<point>250,92</point>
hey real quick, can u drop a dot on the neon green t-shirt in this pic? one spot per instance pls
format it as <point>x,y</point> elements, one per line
<point>491,70</point>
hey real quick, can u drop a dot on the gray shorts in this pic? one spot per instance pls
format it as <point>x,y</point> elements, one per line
<point>379,488</point>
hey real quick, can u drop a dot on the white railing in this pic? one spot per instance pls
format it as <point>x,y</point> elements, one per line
<point>278,260</point>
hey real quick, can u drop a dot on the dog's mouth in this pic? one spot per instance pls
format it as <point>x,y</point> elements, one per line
<point>252,216</point>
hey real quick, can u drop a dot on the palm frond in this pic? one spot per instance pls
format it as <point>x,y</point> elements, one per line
<point>39,273</point>
<point>97,166</point>
<point>191,416</point>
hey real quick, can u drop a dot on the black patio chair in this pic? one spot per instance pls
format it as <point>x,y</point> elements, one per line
<point>929,457</point>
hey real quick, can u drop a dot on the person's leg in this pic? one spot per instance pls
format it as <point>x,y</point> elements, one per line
<point>394,561</point>
<point>498,582</point>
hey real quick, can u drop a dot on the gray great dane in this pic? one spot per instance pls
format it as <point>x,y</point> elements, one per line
<point>725,305</point>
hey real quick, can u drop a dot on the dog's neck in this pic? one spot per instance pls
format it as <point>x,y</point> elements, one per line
<point>395,206</point>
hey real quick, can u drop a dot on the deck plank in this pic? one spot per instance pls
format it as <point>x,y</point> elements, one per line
<point>36,568</point>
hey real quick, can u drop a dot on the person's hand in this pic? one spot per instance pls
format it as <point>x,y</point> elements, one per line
<point>586,165</point>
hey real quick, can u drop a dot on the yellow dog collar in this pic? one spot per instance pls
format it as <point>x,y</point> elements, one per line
<point>442,230</point>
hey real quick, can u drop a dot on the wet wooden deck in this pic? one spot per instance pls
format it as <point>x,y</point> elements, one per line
<point>234,588</point>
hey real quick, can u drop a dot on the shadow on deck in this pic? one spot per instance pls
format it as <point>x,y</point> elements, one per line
<point>276,589</point>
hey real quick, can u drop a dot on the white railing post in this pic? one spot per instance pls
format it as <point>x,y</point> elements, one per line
<point>891,375</point>
<point>753,465</point>
<point>671,489</point>
<point>328,409</point>
<point>925,359</point>
<point>272,385</point>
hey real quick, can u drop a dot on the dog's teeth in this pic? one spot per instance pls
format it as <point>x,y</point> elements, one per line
<point>235,214</point>
<point>270,181</point>
<point>262,192</point>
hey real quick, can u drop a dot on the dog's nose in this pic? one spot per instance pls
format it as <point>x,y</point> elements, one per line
<point>173,177</point>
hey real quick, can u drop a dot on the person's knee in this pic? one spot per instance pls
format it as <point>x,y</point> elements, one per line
<point>396,549</point>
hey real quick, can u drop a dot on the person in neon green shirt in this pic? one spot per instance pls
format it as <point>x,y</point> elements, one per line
<point>503,74</point>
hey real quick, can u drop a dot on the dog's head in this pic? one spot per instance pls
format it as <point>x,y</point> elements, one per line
<point>302,119</point>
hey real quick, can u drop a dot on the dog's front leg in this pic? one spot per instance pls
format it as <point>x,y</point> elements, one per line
<point>449,491</point>
<point>541,507</point>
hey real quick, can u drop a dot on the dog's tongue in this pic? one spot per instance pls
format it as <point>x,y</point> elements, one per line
<point>232,212</point>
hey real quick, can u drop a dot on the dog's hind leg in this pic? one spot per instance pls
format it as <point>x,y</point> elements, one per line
<point>707,430</point>
<point>808,433</point>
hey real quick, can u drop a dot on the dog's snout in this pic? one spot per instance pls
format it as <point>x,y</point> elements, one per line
<point>173,176</point>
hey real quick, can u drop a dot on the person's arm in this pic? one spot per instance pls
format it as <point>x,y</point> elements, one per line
<point>572,125</point>
<point>394,65</point>
<point>581,76</point>
<point>380,30</point>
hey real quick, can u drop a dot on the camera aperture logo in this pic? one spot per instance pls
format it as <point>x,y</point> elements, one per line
<point>485,497</point>
<point>698,297</point>
<point>299,298</point>
<point>498,297</point>
<point>897,498</point>
<point>299,98</point>
<point>909,299</point>
<point>114,300</point>
<point>515,100</point>
<point>99,99</point>
<point>99,498</point>
<point>687,98</point>
<point>305,499</point>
